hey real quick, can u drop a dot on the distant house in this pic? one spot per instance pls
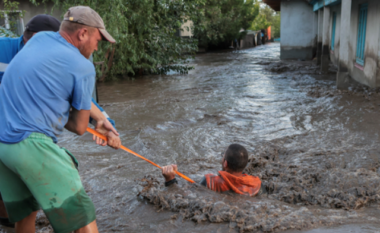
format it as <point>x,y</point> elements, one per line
<point>248,40</point>
<point>186,29</point>
<point>16,21</point>
<point>345,32</point>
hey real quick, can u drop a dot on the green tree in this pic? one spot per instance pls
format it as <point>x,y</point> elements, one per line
<point>146,32</point>
<point>219,21</point>
<point>267,17</point>
<point>260,22</point>
<point>276,26</point>
<point>7,7</point>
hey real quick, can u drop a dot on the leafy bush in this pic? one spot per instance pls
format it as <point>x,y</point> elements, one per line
<point>145,31</point>
<point>220,21</point>
<point>268,17</point>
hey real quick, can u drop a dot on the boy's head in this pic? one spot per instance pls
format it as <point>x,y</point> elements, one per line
<point>40,23</point>
<point>235,158</point>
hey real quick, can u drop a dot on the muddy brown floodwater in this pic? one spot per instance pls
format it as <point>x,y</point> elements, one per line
<point>315,148</point>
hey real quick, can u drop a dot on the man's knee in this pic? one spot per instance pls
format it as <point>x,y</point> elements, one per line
<point>90,228</point>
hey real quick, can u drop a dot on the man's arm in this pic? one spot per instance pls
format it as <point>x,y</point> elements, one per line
<point>169,173</point>
<point>78,121</point>
<point>104,127</point>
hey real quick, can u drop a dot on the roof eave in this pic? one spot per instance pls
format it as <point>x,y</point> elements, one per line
<point>274,4</point>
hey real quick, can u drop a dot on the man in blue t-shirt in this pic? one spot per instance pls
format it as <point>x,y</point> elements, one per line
<point>9,48</point>
<point>43,91</point>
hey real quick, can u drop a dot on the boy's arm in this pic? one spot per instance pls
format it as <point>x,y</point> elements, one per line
<point>203,181</point>
<point>169,173</point>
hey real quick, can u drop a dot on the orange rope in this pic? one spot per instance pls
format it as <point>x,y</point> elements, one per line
<point>134,153</point>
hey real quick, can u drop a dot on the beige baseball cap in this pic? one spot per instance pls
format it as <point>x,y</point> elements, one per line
<point>87,16</point>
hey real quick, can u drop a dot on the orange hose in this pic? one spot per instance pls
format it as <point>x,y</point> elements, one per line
<point>92,131</point>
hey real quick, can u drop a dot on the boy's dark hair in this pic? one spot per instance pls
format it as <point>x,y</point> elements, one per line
<point>237,157</point>
<point>41,23</point>
<point>28,34</point>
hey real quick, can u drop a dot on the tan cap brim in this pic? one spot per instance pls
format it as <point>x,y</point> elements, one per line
<point>106,35</point>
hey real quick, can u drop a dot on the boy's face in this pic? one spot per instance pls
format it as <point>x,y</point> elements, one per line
<point>223,161</point>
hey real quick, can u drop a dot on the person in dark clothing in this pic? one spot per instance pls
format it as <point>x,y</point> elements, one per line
<point>263,36</point>
<point>230,178</point>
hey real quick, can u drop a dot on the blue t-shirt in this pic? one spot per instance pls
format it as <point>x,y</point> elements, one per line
<point>9,47</point>
<point>43,81</point>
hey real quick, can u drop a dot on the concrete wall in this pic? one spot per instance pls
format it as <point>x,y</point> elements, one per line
<point>368,74</point>
<point>334,57</point>
<point>315,33</point>
<point>247,41</point>
<point>297,27</point>
<point>32,10</point>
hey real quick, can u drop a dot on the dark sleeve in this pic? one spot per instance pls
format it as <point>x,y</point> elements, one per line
<point>170,182</point>
<point>203,182</point>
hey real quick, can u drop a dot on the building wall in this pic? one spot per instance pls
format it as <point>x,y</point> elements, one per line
<point>368,74</point>
<point>247,41</point>
<point>32,10</point>
<point>334,54</point>
<point>315,33</point>
<point>297,30</point>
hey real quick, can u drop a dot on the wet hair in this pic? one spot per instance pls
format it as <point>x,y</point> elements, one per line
<point>237,157</point>
<point>28,34</point>
<point>71,27</point>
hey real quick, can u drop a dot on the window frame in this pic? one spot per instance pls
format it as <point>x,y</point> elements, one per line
<point>21,26</point>
<point>362,31</point>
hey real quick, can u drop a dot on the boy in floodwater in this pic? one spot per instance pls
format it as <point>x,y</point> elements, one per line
<point>231,178</point>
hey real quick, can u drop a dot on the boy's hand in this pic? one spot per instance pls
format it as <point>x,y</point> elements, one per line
<point>169,172</point>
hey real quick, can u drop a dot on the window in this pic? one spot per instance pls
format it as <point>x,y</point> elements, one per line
<point>333,31</point>
<point>11,23</point>
<point>363,12</point>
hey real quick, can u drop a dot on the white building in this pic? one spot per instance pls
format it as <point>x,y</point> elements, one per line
<point>345,32</point>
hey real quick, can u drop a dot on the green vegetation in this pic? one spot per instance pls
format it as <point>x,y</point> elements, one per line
<point>267,17</point>
<point>146,31</point>
<point>220,21</point>
<point>8,7</point>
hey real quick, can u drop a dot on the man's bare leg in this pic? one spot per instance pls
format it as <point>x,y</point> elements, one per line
<point>90,228</point>
<point>3,211</point>
<point>28,224</point>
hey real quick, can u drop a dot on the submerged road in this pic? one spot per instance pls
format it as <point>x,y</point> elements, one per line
<point>315,148</point>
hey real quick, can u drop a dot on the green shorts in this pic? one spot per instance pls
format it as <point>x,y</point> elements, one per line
<point>36,173</point>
